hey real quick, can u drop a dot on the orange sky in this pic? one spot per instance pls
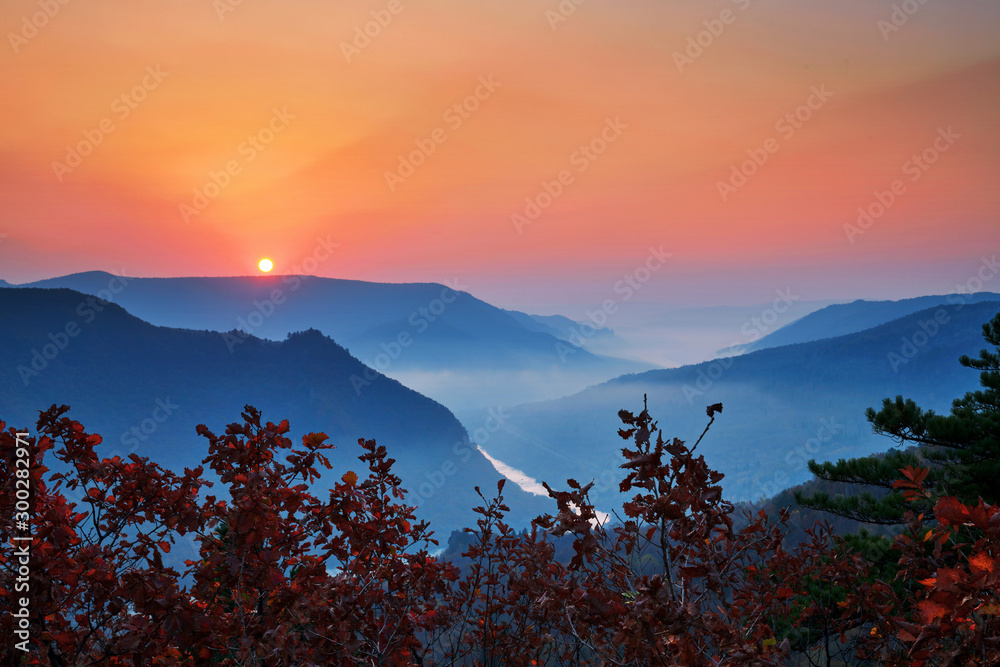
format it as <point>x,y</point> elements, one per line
<point>343,120</point>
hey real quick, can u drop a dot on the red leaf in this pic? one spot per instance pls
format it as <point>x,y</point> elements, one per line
<point>981,563</point>
<point>950,577</point>
<point>950,511</point>
<point>918,475</point>
<point>313,440</point>
<point>931,610</point>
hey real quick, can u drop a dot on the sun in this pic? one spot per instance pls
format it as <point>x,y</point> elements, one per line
<point>265,265</point>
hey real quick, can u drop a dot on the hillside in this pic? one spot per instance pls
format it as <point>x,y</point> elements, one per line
<point>145,389</point>
<point>841,319</point>
<point>783,406</point>
<point>441,341</point>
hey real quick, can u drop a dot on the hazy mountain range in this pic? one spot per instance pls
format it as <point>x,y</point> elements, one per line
<point>434,338</point>
<point>840,319</point>
<point>145,388</point>
<point>673,337</point>
<point>782,406</point>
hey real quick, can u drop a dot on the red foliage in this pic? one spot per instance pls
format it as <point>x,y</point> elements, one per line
<point>286,578</point>
<point>98,589</point>
<point>952,618</point>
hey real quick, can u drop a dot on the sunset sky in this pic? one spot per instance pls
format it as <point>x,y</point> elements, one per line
<point>309,117</point>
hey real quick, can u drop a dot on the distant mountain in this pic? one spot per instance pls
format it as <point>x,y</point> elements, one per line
<point>559,326</point>
<point>441,341</point>
<point>840,319</point>
<point>145,388</point>
<point>782,406</point>
<point>671,338</point>
<point>599,340</point>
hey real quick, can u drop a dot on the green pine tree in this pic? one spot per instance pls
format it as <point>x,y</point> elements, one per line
<point>961,449</point>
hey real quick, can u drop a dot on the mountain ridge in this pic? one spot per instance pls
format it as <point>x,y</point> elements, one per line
<point>855,316</point>
<point>784,405</point>
<point>145,388</point>
<point>415,332</point>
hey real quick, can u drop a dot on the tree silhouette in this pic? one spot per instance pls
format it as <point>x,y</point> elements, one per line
<point>287,578</point>
<point>961,450</point>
